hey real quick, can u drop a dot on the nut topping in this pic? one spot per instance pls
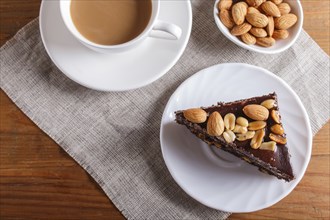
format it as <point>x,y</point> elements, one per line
<point>257,139</point>
<point>275,116</point>
<point>252,128</point>
<point>277,138</point>
<point>256,112</point>
<point>195,115</point>
<point>269,103</point>
<point>240,129</point>
<point>215,125</point>
<point>229,136</point>
<point>242,121</point>
<point>256,125</point>
<point>271,145</point>
<point>277,129</point>
<point>245,136</point>
<point>229,121</point>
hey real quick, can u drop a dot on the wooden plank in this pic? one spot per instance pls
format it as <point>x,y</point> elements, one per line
<point>38,180</point>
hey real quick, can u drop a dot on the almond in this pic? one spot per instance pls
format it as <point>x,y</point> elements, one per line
<point>277,129</point>
<point>240,29</point>
<point>276,2</point>
<point>195,115</point>
<point>256,112</point>
<point>226,18</point>
<point>254,3</point>
<point>225,4</point>
<point>280,34</point>
<point>239,11</point>
<point>270,145</point>
<point>270,27</point>
<point>215,125</point>
<point>248,39</point>
<point>285,21</point>
<point>244,3</point>
<point>284,8</point>
<point>257,19</point>
<point>266,41</point>
<point>277,138</point>
<point>270,9</point>
<point>252,10</point>
<point>258,32</point>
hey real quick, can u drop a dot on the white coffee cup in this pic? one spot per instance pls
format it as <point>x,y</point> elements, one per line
<point>153,25</point>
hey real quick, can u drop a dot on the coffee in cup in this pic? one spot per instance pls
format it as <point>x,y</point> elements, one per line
<point>109,26</point>
<point>110,22</point>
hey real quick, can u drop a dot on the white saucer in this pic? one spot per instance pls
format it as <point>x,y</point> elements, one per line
<point>114,72</point>
<point>214,177</point>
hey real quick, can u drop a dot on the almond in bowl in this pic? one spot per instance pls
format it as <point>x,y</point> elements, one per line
<point>265,26</point>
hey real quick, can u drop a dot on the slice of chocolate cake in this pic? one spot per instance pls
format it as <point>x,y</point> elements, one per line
<point>250,129</point>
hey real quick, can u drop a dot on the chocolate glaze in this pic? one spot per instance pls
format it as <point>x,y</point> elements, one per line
<point>275,163</point>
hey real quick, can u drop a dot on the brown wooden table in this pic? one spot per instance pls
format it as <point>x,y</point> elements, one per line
<point>38,180</point>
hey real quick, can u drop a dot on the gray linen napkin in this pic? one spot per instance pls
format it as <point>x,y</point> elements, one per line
<point>115,136</point>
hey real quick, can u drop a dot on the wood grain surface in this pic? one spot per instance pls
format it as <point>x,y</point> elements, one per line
<point>38,180</point>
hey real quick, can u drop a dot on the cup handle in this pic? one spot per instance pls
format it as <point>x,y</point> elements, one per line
<point>169,28</point>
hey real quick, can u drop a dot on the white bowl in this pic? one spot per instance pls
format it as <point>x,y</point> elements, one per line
<point>280,45</point>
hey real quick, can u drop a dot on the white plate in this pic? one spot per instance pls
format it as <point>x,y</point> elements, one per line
<point>214,177</point>
<point>114,72</point>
